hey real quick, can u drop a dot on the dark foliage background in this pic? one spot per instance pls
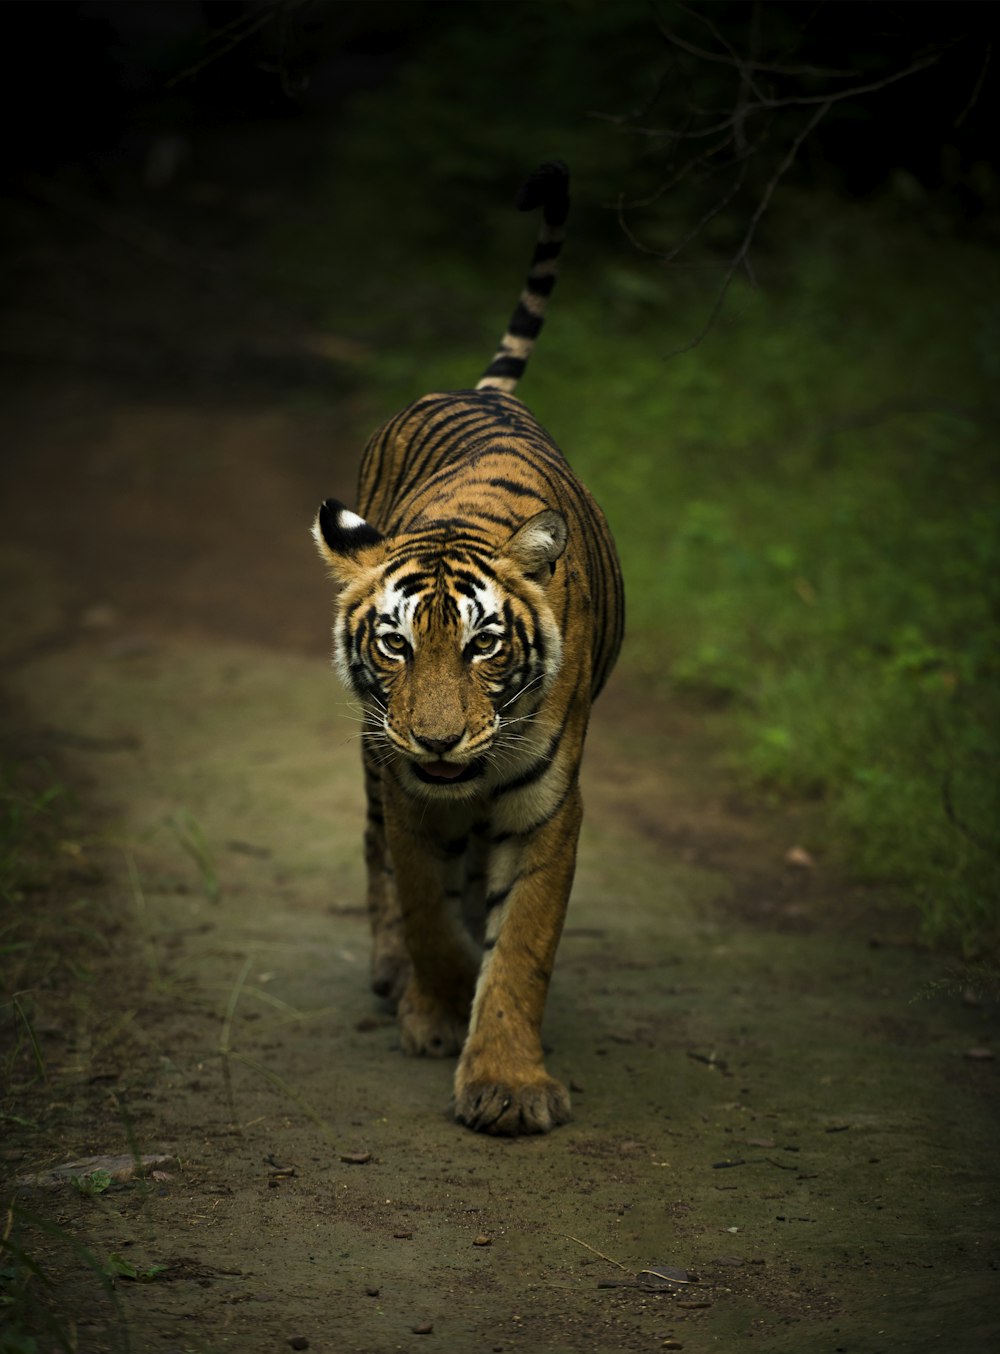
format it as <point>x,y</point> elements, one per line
<point>913,87</point>
<point>778,339</point>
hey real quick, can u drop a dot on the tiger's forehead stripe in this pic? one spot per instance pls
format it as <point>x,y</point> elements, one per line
<point>407,603</point>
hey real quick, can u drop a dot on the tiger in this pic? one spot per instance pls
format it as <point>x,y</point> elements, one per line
<point>479,611</point>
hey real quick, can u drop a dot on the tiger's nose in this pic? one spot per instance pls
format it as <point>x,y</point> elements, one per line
<point>438,745</point>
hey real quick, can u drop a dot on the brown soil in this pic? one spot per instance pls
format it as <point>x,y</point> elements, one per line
<point>773,1087</point>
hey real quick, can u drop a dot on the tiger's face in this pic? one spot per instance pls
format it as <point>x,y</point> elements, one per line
<point>451,646</point>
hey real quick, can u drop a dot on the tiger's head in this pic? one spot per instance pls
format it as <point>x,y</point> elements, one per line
<point>449,642</point>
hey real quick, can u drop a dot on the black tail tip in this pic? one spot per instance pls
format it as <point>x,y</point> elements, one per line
<point>546,187</point>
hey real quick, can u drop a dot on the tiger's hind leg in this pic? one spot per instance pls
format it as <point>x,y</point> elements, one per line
<point>390,963</point>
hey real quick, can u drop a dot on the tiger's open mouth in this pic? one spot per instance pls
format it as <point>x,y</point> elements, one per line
<point>447,773</point>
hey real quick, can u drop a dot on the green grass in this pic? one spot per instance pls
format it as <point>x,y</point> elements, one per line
<point>806,503</point>
<point>809,523</point>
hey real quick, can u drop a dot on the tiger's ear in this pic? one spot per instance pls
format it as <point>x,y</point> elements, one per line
<point>343,539</point>
<point>537,544</point>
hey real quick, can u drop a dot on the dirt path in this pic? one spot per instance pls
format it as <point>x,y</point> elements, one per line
<point>768,1097</point>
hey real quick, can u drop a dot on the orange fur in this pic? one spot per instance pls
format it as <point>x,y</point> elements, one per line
<point>479,613</point>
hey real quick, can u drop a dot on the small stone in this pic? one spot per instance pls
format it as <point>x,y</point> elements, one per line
<point>800,858</point>
<point>356,1158</point>
<point>402,1236</point>
<point>372,1292</point>
<point>423,1328</point>
<point>299,1342</point>
<point>483,1241</point>
<point>671,1343</point>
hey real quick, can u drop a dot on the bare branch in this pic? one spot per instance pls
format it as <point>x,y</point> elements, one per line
<point>977,88</point>
<point>872,87</point>
<point>741,63</point>
<point>767,84</point>
<point>231,35</point>
<point>740,257</point>
<point>742,159</point>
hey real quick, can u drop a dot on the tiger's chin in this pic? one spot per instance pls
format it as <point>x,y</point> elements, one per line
<point>447,780</point>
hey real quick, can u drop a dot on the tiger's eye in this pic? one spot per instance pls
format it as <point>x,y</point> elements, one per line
<point>485,642</point>
<point>394,641</point>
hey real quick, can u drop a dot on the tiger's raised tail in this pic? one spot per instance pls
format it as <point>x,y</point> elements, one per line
<point>548,188</point>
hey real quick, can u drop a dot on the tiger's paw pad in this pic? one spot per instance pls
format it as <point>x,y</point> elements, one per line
<point>493,1107</point>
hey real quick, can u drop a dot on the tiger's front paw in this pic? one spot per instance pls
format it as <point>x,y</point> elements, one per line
<point>428,1028</point>
<point>510,1106</point>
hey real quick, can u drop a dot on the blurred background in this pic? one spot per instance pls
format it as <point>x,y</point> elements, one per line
<point>238,235</point>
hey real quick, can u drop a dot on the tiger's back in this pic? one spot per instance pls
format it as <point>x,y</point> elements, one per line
<point>480,462</point>
<point>480,611</point>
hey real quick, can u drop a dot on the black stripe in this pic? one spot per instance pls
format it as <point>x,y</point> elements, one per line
<point>536,770</point>
<point>546,250</point>
<point>571,787</point>
<point>521,631</point>
<point>523,324</point>
<point>541,286</point>
<point>472,579</point>
<point>510,487</point>
<point>495,899</point>
<point>505,365</point>
<point>484,516</point>
<point>449,431</point>
<point>410,586</point>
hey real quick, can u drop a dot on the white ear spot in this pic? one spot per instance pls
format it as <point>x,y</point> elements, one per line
<point>349,521</point>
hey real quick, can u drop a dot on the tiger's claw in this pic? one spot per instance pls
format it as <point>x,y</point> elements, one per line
<point>507,1110</point>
